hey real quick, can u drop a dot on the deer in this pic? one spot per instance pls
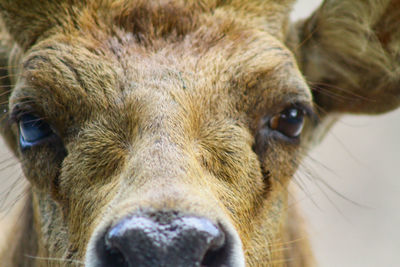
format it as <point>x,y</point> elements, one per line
<point>166,133</point>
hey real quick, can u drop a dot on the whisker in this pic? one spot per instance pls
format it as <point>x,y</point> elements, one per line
<point>348,92</point>
<point>7,67</point>
<point>309,36</point>
<point>20,102</point>
<point>333,94</point>
<point>291,242</point>
<point>308,195</point>
<point>347,150</point>
<point>8,76</point>
<point>281,261</point>
<point>16,189</point>
<point>6,160</point>
<point>8,166</point>
<point>55,259</point>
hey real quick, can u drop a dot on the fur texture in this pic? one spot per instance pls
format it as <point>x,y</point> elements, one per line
<point>162,105</point>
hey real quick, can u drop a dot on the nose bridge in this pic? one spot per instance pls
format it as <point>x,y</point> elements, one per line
<point>163,179</point>
<point>162,170</point>
<point>162,156</point>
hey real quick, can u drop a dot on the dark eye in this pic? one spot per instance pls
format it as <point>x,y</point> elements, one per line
<point>289,122</point>
<point>32,130</point>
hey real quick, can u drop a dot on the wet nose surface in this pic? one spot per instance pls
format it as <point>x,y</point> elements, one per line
<point>176,242</point>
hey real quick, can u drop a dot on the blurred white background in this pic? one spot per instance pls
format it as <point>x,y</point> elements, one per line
<point>359,159</point>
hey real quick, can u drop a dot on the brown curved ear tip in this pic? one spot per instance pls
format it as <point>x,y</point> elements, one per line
<point>351,57</point>
<point>27,21</point>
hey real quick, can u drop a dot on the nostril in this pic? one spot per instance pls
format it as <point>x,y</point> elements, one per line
<point>154,241</point>
<point>217,253</point>
<point>212,258</point>
<point>109,253</point>
<point>114,257</point>
<point>133,242</point>
<point>114,254</point>
<point>213,236</point>
<point>215,246</point>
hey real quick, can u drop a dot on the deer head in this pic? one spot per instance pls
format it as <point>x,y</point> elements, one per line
<point>166,133</point>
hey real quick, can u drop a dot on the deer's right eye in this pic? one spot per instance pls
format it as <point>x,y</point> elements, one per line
<point>32,130</point>
<point>289,122</point>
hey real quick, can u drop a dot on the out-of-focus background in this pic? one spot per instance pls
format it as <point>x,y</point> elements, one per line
<point>350,184</point>
<point>359,162</point>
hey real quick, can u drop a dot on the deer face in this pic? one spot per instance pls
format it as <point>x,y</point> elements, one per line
<point>157,134</point>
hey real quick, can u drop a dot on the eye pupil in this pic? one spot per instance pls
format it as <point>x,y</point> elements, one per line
<point>32,129</point>
<point>291,113</point>
<point>289,122</point>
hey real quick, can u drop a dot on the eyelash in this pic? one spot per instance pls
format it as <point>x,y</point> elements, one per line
<point>19,115</point>
<point>33,130</point>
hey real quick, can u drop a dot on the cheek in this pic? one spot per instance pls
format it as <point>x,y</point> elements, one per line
<point>92,163</point>
<point>41,166</point>
<point>84,204</point>
<point>242,197</point>
<point>257,198</point>
<point>86,188</point>
<point>265,238</point>
<point>49,219</point>
<point>281,162</point>
<point>85,184</point>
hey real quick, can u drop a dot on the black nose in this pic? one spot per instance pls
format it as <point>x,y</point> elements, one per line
<point>163,241</point>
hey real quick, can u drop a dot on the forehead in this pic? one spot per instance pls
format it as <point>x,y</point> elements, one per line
<point>231,66</point>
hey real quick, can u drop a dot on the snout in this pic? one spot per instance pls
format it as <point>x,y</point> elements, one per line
<point>165,239</point>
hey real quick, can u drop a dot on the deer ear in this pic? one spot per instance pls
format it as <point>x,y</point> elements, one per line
<point>274,13</point>
<point>27,21</point>
<point>349,51</point>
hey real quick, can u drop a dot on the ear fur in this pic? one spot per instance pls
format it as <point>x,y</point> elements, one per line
<point>349,51</point>
<point>274,13</point>
<point>27,21</point>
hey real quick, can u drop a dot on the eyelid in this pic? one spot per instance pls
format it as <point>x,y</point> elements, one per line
<point>18,111</point>
<point>15,114</point>
<point>309,110</point>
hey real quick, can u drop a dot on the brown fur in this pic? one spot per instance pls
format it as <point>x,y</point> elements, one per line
<point>159,106</point>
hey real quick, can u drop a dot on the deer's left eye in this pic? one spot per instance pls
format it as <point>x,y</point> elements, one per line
<point>289,122</point>
<point>32,130</point>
